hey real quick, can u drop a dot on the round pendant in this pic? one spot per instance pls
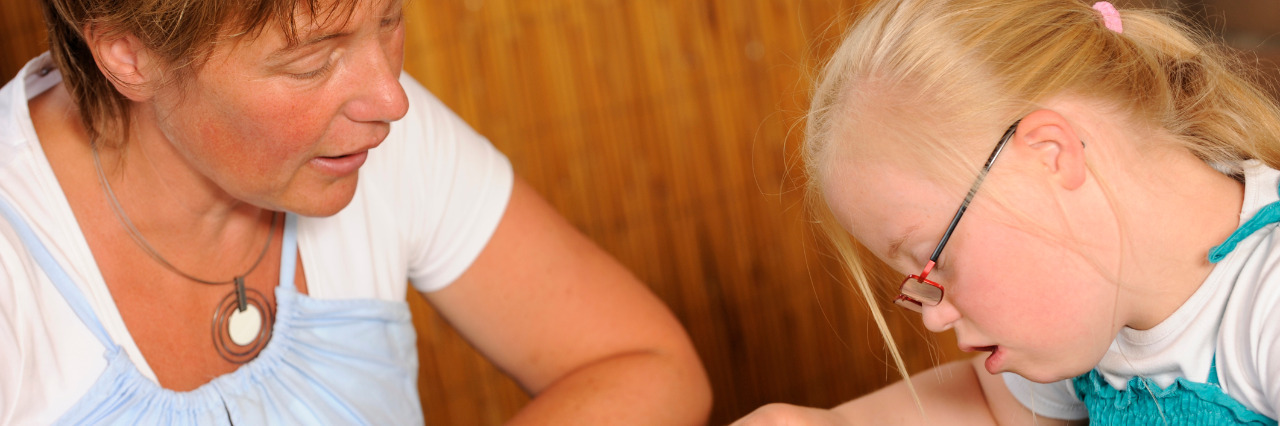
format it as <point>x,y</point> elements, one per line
<point>239,335</point>
<point>243,326</point>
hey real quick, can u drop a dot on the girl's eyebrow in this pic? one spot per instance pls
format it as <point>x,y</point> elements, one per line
<point>895,245</point>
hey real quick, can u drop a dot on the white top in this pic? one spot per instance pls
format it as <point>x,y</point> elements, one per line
<point>427,201</point>
<point>1233,315</point>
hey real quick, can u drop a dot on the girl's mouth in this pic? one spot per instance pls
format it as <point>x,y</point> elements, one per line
<point>995,360</point>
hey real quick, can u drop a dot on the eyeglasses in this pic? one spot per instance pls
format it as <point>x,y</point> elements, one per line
<point>917,291</point>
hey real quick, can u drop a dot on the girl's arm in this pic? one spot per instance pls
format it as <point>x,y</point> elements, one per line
<point>960,392</point>
<point>573,326</point>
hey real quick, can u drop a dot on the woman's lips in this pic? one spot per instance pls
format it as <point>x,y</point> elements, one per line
<point>341,166</point>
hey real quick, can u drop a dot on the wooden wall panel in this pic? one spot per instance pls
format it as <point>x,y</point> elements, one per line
<point>22,35</point>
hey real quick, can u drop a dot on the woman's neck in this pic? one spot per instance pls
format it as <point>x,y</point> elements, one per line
<point>179,212</point>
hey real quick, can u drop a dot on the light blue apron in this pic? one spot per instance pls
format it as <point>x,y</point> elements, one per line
<point>328,362</point>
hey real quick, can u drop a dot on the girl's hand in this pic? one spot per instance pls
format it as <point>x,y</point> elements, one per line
<point>778,414</point>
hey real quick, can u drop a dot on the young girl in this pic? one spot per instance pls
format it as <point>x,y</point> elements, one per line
<point>1114,252</point>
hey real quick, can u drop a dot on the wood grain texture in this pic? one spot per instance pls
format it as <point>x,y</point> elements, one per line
<point>22,35</point>
<point>666,130</point>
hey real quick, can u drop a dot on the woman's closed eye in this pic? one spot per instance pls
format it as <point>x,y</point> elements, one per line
<point>391,22</point>
<point>310,69</point>
<point>316,73</point>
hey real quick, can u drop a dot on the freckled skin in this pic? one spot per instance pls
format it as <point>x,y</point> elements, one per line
<point>247,131</point>
<point>252,127</point>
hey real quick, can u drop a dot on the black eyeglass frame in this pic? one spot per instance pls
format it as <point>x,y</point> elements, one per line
<point>917,291</point>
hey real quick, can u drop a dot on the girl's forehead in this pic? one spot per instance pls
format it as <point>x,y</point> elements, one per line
<point>883,205</point>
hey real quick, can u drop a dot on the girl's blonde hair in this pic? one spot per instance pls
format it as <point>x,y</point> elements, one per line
<point>180,33</point>
<point>975,66</point>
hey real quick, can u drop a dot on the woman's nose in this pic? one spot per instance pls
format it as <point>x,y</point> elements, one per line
<point>941,317</point>
<point>379,96</point>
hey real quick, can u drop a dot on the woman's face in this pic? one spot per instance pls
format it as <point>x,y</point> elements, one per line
<point>288,126</point>
<point>1013,286</point>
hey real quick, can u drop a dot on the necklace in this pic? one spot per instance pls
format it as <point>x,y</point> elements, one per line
<point>239,319</point>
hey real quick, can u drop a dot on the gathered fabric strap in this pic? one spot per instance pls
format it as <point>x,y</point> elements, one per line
<point>57,275</point>
<point>1183,402</point>
<point>1269,214</point>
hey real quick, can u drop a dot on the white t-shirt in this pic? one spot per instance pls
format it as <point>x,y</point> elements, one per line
<point>427,202</point>
<point>1235,316</point>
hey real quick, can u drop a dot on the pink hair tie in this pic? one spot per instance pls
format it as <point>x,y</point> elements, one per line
<point>1110,17</point>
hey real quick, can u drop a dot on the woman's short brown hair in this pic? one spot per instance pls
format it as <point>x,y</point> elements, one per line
<point>181,33</point>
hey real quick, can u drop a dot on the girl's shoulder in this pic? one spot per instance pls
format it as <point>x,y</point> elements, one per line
<point>1247,354</point>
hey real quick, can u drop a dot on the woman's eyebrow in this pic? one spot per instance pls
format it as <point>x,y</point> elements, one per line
<point>394,7</point>
<point>294,47</point>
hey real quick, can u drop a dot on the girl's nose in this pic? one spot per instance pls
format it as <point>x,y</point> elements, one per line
<point>940,318</point>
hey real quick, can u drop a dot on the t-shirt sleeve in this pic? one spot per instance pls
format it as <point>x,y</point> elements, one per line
<point>15,270</point>
<point>1267,353</point>
<point>458,189</point>
<point>10,369</point>
<point>1248,356</point>
<point>1054,400</point>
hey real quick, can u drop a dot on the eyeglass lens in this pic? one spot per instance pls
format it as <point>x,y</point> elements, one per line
<point>917,292</point>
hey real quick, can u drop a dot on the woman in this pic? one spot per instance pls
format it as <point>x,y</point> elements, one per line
<point>212,208</point>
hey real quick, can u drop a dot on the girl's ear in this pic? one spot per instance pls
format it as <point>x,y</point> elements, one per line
<point>124,60</point>
<point>1052,141</point>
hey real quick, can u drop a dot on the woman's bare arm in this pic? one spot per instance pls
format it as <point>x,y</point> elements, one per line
<point>574,327</point>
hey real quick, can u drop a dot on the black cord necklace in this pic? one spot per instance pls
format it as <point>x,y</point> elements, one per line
<point>242,321</point>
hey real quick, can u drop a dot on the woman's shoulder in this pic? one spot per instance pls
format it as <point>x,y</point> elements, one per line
<point>444,185</point>
<point>429,123</point>
<point>50,355</point>
<point>430,153</point>
<point>36,77</point>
